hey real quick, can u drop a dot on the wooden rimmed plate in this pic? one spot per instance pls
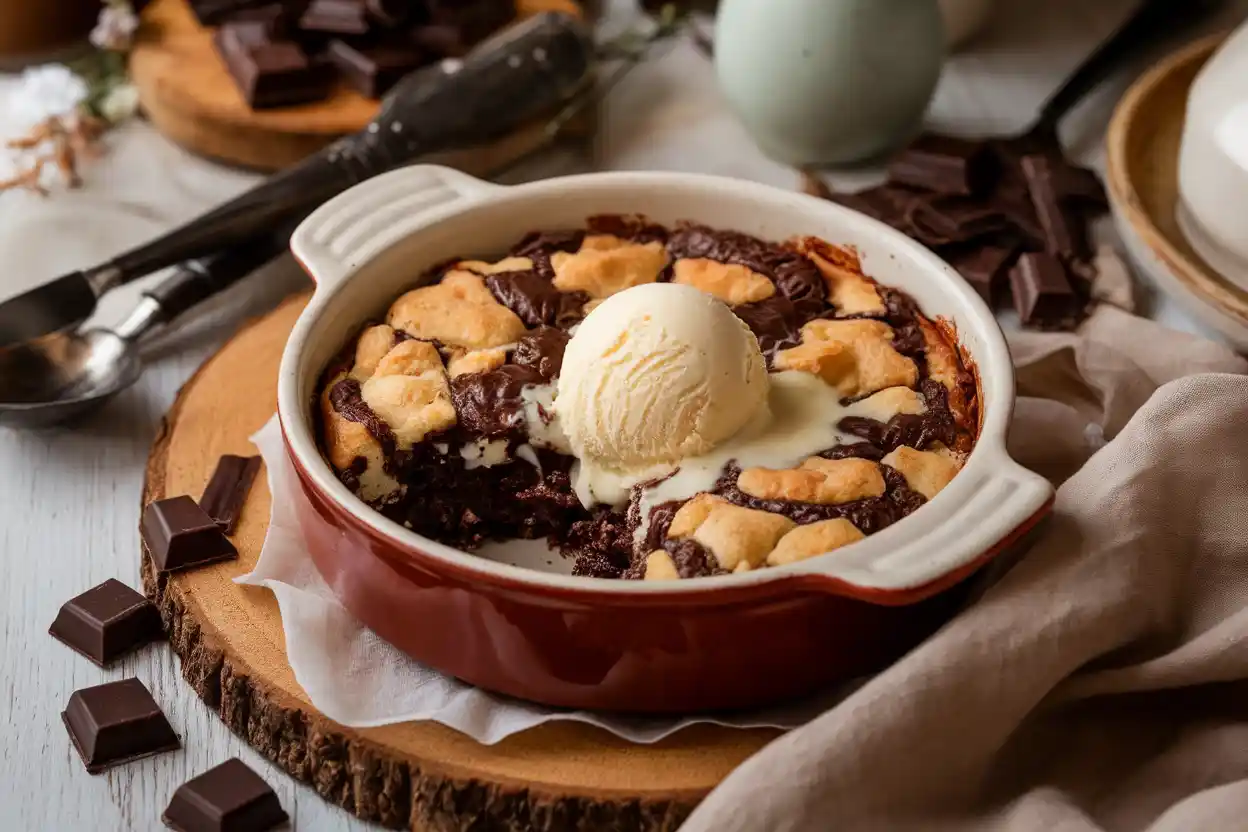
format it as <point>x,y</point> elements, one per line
<point>1142,176</point>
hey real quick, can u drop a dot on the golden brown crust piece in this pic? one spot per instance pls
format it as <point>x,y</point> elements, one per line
<point>731,533</point>
<point>660,567</point>
<point>814,539</point>
<point>605,265</point>
<point>458,311</point>
<point>856,356</point>
<point>943,365</point>
<point>888,403</point>
<point>849,291</point>
<point>476,361</point>
<point>732,283</point>
<point>821,481</point>
<point>926,472</point>
<point>409,392</point>
<point>507,264</point>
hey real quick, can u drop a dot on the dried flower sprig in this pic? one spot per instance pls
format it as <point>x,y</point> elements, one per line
<point>88,96</point>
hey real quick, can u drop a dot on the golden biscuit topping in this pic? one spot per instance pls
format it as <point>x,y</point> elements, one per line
<point>849,291</point>
<point>346,441</point>
<point>459,311</point>
<point>476,361</point>
<point>856,357</point>
<point>409,392</point>
<point>926,472</point>
<point>814,539</point>
<point>605,264</point>
<point>374,343</point>
<point>731,533</point>
<point>825,482</point>
<point>660,567</point>
<point>734,284</point>
<point>888,403</point>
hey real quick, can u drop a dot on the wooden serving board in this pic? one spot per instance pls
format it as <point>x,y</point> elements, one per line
<point>417,775</point>
<point>187,93</point>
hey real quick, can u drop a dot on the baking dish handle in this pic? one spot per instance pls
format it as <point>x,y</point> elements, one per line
<point>368,218</point>
<point>995,508</point>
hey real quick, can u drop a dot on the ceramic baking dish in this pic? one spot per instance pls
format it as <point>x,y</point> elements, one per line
<point>733,641</point>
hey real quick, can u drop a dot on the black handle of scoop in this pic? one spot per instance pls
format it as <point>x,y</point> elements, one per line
<point>197,280</point>
<point>1152,21</point>
<point>515,77</point>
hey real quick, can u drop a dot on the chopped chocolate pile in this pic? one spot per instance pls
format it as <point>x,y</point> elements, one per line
<point>291,51</point>
<point>986,205</point>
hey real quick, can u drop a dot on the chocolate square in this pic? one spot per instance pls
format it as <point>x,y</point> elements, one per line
<point>107,622</point>
<point>374,70</point>
<point>228,798</point>
<point>115,723</point>
<point>944,164</point>
<point>226,492</point>
<point>1043,294</point>
<point>180,535</point>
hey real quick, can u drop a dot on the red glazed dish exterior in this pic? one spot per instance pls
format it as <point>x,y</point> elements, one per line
<point>672,653</point>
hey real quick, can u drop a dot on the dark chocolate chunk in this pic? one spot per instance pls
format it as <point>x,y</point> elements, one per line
<point>535,300</point>
<point>944,164</point>
<point>275,20</point>
<point>1043,295</point>
<point>542,350</point>
<point>106,622</point>
<point>115,723</point>
<point>1060,229</point>
<point>490,404</point>
<point>941,220</point>
<point>335,17</point>
<point>180,535</point>
<point>228,798</point>
<point>227,490</point>
<point>985,269</point>
<point>373,70</point>
<point>270,73</point>
<point>1081,187</point>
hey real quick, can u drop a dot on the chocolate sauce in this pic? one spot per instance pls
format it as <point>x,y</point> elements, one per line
<point>542,350</point>
<point>935,424</point>
<point>535,300</point>
<point>348,400</point>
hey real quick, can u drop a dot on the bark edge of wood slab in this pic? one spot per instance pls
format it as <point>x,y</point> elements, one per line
<point>418,776</point>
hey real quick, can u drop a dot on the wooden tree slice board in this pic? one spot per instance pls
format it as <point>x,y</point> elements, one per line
<point>417,775</point>
<point>187,93</point>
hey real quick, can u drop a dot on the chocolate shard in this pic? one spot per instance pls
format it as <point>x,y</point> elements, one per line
<point>1043,294</point>
<point>1061,235</point>
<point>374,70</point>
<point>106,622</point>
<point>944,164</point>
<point>942,220</point>
<point>985,268</point>
<point>474,19</point>
<point>180,535</point>
<point>227,490</point>
<point>270,73</point>
<point>115,723</point>
<point>228,798</point>
<point>1081,186</point>
<point>275,20</point>
<point>335,17</point>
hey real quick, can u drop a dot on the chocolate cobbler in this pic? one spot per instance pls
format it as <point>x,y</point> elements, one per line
<point>449,417</point>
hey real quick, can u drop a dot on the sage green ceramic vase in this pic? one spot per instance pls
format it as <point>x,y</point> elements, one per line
<point>829,82</point>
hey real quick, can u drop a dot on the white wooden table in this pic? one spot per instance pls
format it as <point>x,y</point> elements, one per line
<point>69,498</point>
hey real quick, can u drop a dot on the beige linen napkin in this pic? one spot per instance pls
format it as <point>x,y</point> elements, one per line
<point>1102,683</point>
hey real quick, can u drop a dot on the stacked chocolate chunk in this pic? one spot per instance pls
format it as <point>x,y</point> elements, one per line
<point>290,52</point>
<point>1011,216</point>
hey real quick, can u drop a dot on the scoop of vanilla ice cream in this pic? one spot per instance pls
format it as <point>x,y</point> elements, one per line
<point>658,373</point>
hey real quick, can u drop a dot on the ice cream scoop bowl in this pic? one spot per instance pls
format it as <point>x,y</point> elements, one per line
<point>730,641</point>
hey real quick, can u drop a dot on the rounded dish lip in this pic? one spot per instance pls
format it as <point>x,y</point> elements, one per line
<point>854,574</point>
